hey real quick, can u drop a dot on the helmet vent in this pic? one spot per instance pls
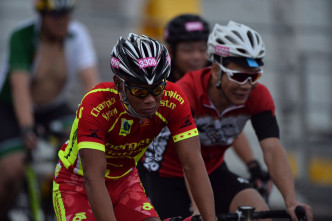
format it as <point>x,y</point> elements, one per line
<point>232,40</point>
<point>251,38</point>
<point>258,40</point>
<point>238,35</point>
<point>242,51</point>
<point>219,41</point>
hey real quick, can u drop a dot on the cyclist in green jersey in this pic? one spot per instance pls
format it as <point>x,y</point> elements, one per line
<point>44,56</point>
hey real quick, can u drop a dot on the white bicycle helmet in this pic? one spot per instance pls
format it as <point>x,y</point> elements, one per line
<point>235,40</point>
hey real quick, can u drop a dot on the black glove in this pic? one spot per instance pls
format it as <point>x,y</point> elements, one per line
<point>256,173</point>
<point>29,137</point>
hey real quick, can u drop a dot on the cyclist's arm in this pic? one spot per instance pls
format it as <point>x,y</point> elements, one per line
<point>22,103</point>
<point>278,165</point>
<point>94,169</point>
<point>194,206</point>
<point>89,77</point>
<point>22,100</point>
<point>189,153</point>
<point>242,148</point>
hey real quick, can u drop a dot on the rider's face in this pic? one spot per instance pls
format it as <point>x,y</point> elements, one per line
<point>190,56</point>
<point>145,107</point>
<point>56,24</point>
<point>236,93</point>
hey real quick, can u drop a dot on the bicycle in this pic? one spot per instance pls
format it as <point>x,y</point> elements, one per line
<point>40,164</point>
<point>248,213</point>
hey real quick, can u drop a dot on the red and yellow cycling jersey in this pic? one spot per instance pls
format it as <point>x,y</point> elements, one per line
<point>102,123</point>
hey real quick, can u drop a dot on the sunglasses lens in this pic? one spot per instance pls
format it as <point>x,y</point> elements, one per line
<point>143,92</point>
<point>242,77</point>
<point>156,91</point>
<point>255,77</point>
<point>139,92</point>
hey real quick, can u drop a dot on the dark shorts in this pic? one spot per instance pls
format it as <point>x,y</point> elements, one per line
<point>170,198</point>
<point>71,203</point>
<point>58,118</point>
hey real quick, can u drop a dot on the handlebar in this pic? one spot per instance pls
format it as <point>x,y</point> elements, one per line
<point>247,213</point>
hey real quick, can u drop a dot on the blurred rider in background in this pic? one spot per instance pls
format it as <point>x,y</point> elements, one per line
<point>45,55</point>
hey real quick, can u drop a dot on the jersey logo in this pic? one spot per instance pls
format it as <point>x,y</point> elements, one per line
<point>125,127</point>
<point>147,206</point>
<point>79,216</point>
<point>144,122</point>
<point>94,133</point>
<point>187,122</point>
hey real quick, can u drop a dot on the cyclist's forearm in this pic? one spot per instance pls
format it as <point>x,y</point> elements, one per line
<point>201,190</point>
<point>22,100</point>
<point>280,171</point>
<point>99,199</point>
<point>242,148</point>
<point>194,206</point>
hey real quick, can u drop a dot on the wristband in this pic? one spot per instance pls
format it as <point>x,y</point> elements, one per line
<point>252,163</point>
<point>26,130</point>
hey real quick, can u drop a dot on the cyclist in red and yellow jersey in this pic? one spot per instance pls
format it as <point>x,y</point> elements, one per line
<point>96,177</point>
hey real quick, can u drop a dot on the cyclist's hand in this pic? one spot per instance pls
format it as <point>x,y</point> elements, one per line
<point>29,138</point>
<point>259,178</point>
<point>307,208</point>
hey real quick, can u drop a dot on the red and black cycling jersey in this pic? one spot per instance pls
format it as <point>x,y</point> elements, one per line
<point>217,131</point>
<point>102,123</point>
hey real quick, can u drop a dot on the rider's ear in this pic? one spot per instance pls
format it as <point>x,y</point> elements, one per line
<point>117,83</point>
<point>215,70</point>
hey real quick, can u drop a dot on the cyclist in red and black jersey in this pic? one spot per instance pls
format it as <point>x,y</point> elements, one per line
<point>223,98</point>
<point>96,177</point>
<point>186,38</point>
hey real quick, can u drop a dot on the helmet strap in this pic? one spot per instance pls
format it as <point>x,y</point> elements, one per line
<point>218,84</point>
<point>124,99</point>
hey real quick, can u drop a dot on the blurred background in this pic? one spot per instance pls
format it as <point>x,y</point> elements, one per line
<point>298,69</point>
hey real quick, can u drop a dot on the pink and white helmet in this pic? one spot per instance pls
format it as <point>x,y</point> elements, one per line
<point>235,40</point>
